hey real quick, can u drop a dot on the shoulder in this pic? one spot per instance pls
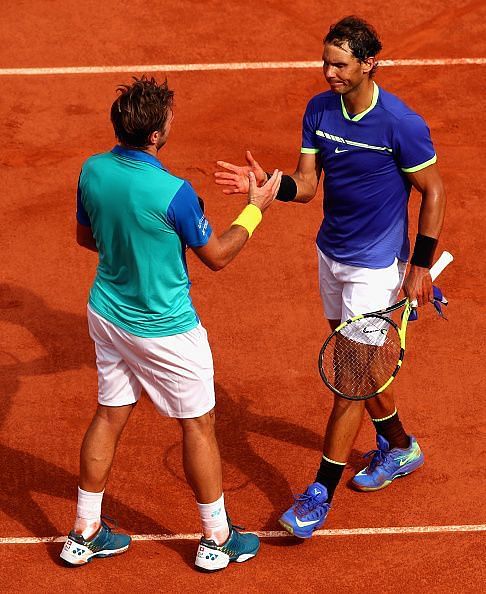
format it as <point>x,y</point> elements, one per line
<point>96,159</point>
<point>184,187</point>
<point>395,107</point>
<point>322,101</point>
<point>183,198</point>
<point>178,185</point>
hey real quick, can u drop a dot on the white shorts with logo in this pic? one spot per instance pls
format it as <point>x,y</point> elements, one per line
<point>175,371</point>
<point>347,291</point>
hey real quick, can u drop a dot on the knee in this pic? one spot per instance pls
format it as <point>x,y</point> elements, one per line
<point>342,405</point>
<point>114,418</point>
<point>204,424</point>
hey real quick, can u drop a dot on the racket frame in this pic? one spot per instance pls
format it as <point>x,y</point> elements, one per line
<point>444,260</point>
<point>400,330</point>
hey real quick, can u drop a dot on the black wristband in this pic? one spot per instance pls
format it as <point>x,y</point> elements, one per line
<point>288,188</point>
<point>423,252</point>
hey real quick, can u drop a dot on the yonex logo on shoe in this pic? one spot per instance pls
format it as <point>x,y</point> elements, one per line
<point>78,552</point>
<point>317,492</point>
<point>211,556</point>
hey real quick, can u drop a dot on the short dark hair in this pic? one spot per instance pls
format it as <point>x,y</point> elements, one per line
<point>361,37</point>
<point>140,109</point>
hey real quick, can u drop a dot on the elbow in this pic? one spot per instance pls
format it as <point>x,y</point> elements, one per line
<point>307,198</point>
<point>218,262</point>
<point>217,265</point>
<point>86,244</point>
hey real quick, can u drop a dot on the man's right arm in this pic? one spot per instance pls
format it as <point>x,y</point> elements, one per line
<point>220,251</point>
<point>301,186</point>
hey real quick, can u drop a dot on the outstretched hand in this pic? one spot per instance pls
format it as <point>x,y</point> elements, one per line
<point>264,195</point>
<point>236,178</point>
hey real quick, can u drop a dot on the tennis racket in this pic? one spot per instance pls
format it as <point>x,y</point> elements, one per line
<point>363,355</point>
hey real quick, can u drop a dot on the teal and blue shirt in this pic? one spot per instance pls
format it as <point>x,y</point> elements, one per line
<point>365,159</point>
<point>142,219</point>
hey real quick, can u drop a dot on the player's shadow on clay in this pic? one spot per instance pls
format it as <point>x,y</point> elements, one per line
<point>235,442</point>
<point>62,335</point>
<point>65,346</point>
<point>26,475</point>
<point>236,423</point>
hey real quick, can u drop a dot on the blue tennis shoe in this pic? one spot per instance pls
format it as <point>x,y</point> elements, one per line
<point>105,543</point>
<point>238,547</point>
<point>308,513</point>
<point>387,465</point>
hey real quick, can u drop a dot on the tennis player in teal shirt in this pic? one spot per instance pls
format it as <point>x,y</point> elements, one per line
<point>141,219</point>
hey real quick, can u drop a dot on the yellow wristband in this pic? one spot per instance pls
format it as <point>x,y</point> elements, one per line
<point>249,218</point>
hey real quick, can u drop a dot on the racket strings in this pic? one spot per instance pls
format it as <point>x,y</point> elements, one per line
<point>362,356</point>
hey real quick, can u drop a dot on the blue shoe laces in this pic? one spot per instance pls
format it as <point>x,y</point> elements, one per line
<point>307,503</point>
<point>377,457</point>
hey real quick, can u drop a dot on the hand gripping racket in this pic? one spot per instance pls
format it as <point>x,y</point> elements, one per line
<point>363,355</point>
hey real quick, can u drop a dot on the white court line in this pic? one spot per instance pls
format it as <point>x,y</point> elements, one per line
<point>229,66</point>
<point>276,534</point>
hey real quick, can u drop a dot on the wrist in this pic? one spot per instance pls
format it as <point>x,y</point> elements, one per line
<point>266,177</point>
<point>424,250</point>
<point>288,188</point>
<point>249,218</point>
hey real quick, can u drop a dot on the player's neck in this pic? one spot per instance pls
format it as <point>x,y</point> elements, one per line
<point>360,98</point>
<point>151,150</point>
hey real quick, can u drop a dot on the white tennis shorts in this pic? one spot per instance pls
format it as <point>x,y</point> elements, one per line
<point>347,291</point>
<point>175,371</point>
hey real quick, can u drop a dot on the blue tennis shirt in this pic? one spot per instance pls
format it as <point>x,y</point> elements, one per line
<point>142,219</point>
<point>365,159</point>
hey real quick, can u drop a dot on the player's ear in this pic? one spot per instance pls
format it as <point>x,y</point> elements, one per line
<point>368,64</point>
<point>154,137</point>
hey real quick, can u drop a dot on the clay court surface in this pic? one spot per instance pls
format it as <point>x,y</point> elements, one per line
<point>262,313</point>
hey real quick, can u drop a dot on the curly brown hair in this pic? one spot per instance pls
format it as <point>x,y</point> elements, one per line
<point>140,109</point>
<point>361,37</point>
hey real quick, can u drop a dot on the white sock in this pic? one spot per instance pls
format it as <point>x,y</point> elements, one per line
<point>214,521</point>
<point>88,513</point>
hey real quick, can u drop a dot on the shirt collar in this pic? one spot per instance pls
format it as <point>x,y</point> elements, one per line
<point>357,117</point>
<point>137,155</point>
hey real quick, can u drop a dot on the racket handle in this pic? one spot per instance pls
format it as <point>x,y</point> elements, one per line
<point>444,260</point>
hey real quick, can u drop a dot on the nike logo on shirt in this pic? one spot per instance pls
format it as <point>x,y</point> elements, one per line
<point>338,150</point>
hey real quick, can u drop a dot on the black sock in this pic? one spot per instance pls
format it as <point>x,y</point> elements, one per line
<point>392,430</point>
<point>329,475</point>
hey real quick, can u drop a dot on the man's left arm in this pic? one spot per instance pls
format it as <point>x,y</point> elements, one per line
<point>418,283</point>
<point>84,237</point>
<point>84,233</point>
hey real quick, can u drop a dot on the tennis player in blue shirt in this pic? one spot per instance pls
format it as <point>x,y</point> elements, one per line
<point>140,219</point>
<point>372,148</point>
